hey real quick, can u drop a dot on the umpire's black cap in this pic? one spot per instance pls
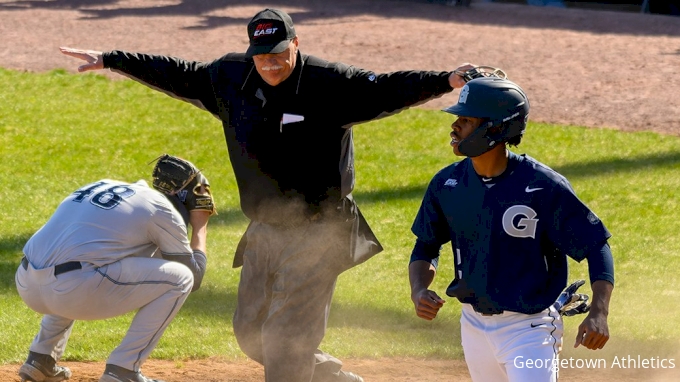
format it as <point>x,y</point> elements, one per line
<point>269,31</point>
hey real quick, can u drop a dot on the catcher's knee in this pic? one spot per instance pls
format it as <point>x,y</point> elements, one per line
<point>184,279</point>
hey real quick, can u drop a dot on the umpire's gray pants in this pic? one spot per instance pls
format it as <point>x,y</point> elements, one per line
<point>284,298</point>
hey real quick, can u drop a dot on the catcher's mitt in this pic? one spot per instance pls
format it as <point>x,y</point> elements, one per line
<point>481,71</point>
<point>177,176</point>
<point>570,303</point>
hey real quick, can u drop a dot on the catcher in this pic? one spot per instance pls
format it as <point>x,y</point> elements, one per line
<point>110,248</point>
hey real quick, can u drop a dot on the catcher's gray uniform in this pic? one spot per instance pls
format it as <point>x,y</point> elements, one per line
<point>104,253</point>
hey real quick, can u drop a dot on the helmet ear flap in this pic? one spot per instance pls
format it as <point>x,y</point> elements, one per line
<point>511,127</point>
<point>479,141</point>
<point>491,133</point>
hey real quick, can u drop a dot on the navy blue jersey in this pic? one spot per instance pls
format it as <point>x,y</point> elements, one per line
<point>510,241</point>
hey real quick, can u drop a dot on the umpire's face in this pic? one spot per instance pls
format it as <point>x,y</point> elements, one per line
<point>461,128</point>
<point>275,68</point>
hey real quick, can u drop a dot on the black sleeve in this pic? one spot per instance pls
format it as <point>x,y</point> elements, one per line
<point>409,88</point>
<point>601,264</point>
<point>185,80</point>
<point>363,95</point>
<point>196,262</point>
<point>426,252</point>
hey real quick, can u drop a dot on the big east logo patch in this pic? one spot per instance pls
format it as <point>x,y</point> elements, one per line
<point>264,29</point>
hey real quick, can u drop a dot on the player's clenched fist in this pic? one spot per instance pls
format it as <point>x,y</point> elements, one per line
<point>427,304</point>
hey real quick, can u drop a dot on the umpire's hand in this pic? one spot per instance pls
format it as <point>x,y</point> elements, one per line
<point>94,58</point>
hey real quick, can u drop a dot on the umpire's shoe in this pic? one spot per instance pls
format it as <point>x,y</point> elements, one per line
<point>338,376</point>
<point>347,376</point>
<point>42,368</point>
<point>114,373</point>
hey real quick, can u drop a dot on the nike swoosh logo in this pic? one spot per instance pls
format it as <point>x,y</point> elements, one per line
<point>531,189</point>
<point>536,325</point>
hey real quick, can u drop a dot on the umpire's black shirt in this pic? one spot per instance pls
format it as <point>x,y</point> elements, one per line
<point>292,169</point>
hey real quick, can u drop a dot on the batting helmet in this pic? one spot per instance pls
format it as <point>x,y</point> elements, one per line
<point>503,107</point>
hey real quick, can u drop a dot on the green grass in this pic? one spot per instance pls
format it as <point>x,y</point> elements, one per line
<point>60,130</point>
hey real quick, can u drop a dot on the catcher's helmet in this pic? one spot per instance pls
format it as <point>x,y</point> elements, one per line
<point>500,103</point>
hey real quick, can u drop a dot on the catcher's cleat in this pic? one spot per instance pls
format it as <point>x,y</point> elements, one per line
<point>114,373</point>
<point>42,368</point>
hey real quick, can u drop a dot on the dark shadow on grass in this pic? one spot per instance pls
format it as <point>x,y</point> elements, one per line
<point>619,165</point>
<point>377,196</point>
<point>318,11</point>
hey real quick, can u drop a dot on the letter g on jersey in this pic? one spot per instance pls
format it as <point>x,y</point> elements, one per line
<point>526,225</point>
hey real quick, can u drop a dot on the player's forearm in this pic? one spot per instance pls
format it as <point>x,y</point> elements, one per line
<point>199,230</point>
<point>602,292</point>
<point>421,274</point>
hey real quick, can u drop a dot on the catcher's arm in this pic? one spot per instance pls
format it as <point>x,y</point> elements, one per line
<point>199,229</point>
<point>180,179</point>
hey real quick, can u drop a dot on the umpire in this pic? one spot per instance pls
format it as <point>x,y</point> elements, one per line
<point>287,121</point>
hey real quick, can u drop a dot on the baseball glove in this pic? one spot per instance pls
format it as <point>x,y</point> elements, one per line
<point>570,303</point>
<point>177,176</point>
<point>481,71</point>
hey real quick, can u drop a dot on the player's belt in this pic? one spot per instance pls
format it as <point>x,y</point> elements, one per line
<point>59,268</point>
<point>488,311</point>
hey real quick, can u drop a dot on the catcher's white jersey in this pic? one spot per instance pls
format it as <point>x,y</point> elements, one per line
<point>106,221</point>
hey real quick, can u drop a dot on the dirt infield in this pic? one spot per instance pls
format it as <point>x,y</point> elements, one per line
<point>374,370</point>
<point>584,67</point>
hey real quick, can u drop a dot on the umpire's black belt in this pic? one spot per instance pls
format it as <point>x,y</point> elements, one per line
<point>59,268</point>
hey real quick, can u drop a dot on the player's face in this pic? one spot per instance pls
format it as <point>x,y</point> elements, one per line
<point>275,68</point>
<point>461,128</point>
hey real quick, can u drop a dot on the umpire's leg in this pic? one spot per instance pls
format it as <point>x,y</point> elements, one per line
<point>285,292</point>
